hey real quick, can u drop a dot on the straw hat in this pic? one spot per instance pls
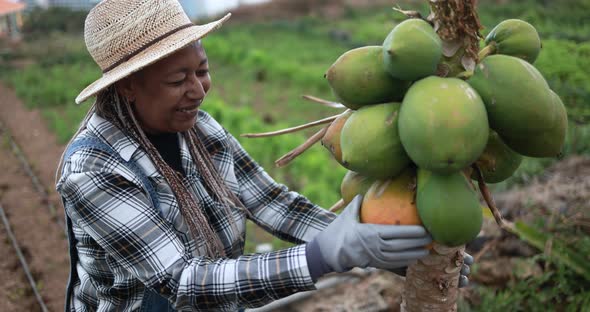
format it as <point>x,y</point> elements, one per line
<point>124,36</point>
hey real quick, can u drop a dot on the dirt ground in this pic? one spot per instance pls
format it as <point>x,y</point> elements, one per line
<point>15,291</point>
<point>41,238</point>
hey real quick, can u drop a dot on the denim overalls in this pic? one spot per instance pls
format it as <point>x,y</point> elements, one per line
<point>152,301</point>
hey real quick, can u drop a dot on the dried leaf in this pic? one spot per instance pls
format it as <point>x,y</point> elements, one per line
<point>449,48</point>
<point>468,63</point>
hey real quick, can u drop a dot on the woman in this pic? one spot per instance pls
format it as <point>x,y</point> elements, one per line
<point>156,192</point>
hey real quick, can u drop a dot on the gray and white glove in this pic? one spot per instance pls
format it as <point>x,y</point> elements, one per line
<point>465,270</point>
<point>346,243</point>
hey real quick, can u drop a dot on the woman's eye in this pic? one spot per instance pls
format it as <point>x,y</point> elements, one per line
<point>202,72</point>
<point>176,83</point>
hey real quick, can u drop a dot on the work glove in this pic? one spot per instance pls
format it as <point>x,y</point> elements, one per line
<point>465,270</point>
<point>463,277</point>
<point>346,243</point>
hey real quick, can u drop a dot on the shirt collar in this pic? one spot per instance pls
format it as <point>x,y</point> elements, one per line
<point>121,143</point>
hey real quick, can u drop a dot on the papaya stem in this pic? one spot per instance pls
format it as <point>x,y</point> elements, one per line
<point>487,50</point>
<point>292,129</point>
<point>409,14</point>
<point>465,75</point>
<point>487,196</point>
<point>338,205</point>
<point>322,101</point>
<point>287,158</point>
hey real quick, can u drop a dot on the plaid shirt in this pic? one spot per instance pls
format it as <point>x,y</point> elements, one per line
<point>125,244</point>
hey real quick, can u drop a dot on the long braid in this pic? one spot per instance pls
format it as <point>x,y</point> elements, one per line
<point>197,222</point>
<point>212,177</point>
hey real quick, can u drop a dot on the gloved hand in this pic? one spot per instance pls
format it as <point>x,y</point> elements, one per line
<point>346,243</point>
<point>465,270</point>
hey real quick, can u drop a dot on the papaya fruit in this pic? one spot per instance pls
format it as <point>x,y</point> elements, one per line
<point>448,207</point>
<point>358,78</point>
<point>518,100</point>
<point>412,50</point>
<point>331,139</point>
<point>497,162</point>
<point>354,184</point>
<point>548,143</point>
<point>371,144</point>
<point>516,38</point>
<point>443,124</point>
<point>392,201</point>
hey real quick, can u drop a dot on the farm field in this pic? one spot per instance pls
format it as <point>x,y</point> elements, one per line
<point>258,86</point>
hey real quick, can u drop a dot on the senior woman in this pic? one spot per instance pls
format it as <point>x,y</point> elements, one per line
<point>157,193</point>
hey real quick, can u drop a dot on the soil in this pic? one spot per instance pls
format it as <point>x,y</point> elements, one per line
<point>15,291</point>
<point>39,235</point>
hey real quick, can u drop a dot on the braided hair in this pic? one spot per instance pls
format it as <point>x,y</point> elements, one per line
<point>115,108</point>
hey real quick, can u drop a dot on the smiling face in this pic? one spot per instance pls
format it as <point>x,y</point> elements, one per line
<point>168,93</point>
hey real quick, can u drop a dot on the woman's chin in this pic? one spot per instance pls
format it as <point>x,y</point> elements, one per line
<point>184,125</point>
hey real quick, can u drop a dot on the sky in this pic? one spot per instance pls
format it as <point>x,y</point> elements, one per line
<point>213,7</point>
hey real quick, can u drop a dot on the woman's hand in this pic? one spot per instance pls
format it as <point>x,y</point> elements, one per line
<point>465,270</point>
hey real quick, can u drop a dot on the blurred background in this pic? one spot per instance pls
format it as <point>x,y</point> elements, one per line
<point>262,61</point>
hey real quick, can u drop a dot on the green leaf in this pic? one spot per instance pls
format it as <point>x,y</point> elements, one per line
<point>559,249</point>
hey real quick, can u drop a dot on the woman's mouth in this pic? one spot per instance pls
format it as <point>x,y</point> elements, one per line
<point>189,110</point>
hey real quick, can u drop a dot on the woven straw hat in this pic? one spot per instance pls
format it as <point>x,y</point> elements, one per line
<point>124,36</point>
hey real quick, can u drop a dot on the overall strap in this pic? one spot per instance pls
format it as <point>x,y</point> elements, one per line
<point>96,143</point>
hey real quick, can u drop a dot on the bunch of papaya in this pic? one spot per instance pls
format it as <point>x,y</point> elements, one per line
<point>413,134</point>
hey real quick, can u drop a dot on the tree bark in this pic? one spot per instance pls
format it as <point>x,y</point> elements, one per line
<point>432,283</point>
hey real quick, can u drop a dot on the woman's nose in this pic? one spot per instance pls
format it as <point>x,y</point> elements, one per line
<point>196,90</point>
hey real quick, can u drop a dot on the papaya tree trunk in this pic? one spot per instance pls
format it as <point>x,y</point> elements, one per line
<point>432,282</point>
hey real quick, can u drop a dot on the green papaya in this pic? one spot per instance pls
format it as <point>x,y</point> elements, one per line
<point>358,78</point>
<point>517,98</point>
<point>331,139</point>
<point>354,184</point>
<point>443,124</point>
<point>516,38</point>
<point>370,142</point>
<point>548,143</point>
<point>448,207</point>
<point>412,50</point>
<point>497,162</point>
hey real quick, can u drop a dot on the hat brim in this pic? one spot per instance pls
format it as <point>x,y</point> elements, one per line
<point>154,53</point>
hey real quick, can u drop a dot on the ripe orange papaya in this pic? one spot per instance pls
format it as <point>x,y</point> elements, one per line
<point>392,201</point>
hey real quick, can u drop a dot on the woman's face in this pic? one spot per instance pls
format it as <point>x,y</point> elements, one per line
<point>168,94</point>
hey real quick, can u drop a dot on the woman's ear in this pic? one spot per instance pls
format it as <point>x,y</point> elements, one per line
<point>125,87</point>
